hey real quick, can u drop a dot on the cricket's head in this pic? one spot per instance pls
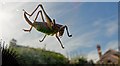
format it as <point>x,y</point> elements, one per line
<point>59,28</point>
<point>61,32</point>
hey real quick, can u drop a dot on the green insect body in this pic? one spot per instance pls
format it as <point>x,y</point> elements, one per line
<point>42,27</point>
<point>48,28</point>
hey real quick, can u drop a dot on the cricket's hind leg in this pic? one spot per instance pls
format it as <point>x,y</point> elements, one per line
<point>37,16</point>
<point>27,30</point>
<point>33,11</point>
<point>48,19</point>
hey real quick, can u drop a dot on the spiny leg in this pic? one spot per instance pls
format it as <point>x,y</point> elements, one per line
<point>28,30</point>
<point>48,20</point>
<point>33,11</point>
<point>53,27</point>
<point>66,30</point>
<point>43,38</point>
<point>59,41</point>
<point>54,22</point>
<point>28,21</point>
<point>35,19</point>
<point>41,16</point>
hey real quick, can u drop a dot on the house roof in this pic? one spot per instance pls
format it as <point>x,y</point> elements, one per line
<point>110,54</point>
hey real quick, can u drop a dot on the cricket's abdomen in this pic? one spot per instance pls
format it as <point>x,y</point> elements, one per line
<point>42,27</point>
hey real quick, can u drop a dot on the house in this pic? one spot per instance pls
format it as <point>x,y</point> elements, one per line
<point>109,57</point>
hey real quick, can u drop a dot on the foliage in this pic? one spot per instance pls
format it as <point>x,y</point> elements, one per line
<point>9,56</point>
<point>13,42</point>
<point>81,60</point>
<point>31,56</point>
<point>119,61</point>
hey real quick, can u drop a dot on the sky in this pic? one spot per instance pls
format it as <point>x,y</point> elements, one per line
<point>90,23</point>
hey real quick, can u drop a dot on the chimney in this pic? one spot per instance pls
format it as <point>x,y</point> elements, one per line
<point>99,51</point>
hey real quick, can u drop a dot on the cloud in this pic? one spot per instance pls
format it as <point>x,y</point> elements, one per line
<point>78,44</point>
<point>109,26</point>
<point>112,45</point>
<point>112,28</point>
<point>5,17</point>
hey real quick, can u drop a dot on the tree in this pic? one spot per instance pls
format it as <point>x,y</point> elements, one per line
<point>82,60</point>
<point>13,42</point>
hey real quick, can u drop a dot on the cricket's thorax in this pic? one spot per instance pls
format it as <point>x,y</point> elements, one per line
<point>42,27</point>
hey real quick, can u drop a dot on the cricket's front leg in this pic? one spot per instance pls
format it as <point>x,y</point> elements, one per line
<point>28,30</point>
<point>59,41</point>
<point>66,30</point>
